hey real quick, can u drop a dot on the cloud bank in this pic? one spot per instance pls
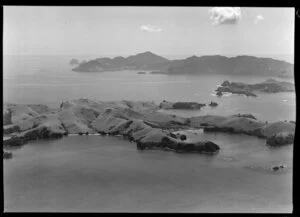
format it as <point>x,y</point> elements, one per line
<point>225,15</point>
<point>258,18</point>
<point>150,28</point>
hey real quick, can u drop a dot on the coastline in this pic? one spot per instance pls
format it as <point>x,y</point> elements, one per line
<point>138,121</point>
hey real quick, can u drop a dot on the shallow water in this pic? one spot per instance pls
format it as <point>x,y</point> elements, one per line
<point>108,174</point>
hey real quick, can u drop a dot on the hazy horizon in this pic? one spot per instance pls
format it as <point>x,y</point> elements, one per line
<point>165,31</point>
<point>283,57</point>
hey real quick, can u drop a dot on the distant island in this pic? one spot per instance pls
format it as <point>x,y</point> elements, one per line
<point>139,122</point>
<point>142,61</point>
<point>268,86</point>
<point>214,64</point>
<point>74,62</point>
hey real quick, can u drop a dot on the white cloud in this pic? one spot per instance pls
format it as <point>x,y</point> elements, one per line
<point>150,28</point>
<point>225,15</point>
<point>258,18</point>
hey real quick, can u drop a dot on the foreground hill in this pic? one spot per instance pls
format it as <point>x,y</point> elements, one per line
<point>138,121</point>
<point>216,64</point>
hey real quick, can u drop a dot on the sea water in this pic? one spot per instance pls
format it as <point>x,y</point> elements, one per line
<point>50,80</point>
<point>108,174</point>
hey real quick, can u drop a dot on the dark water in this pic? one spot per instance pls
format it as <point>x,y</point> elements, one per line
<point>92,173</point>
<point>95,174</point>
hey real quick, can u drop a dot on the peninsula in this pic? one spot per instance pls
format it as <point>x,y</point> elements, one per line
<point>138,121</point>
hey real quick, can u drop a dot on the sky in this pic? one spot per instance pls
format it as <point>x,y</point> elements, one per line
<point>181,31</point>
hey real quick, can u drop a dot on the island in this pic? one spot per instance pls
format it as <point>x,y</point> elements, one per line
<point>140,122</point>
<point>213,104</point>
<point>180,105</point>
<point>141,73</point>
<point>141,61</point>
<point>213,64</point>
<point>239,65</point>
<point>268,86</point>
<point>74,61</point>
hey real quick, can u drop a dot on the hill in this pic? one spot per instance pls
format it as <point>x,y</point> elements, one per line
<point>240,65</point>
<point>141,61</point>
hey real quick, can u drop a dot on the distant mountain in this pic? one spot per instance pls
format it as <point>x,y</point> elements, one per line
<point>245,65</point>
<point>141,61</point>
<point>216,64</point>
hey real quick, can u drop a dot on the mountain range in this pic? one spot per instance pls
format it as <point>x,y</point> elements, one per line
<point>216,64</point>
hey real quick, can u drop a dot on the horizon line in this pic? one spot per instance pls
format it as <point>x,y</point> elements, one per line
<point>180,56</point>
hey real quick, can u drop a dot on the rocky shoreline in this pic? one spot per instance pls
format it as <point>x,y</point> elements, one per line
<point>139,122</point>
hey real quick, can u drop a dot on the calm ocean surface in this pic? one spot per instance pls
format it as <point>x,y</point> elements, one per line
<point>93,173</point>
